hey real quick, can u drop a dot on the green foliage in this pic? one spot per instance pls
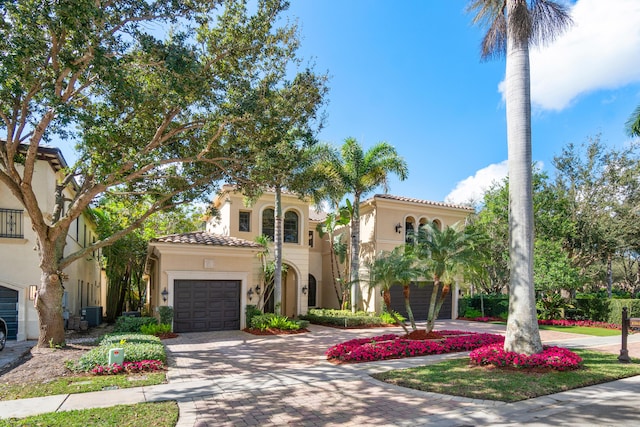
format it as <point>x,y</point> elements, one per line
<point>251,311</point>
<point>345,318</point>
<point>591,308</point>
<point>136,348</point>
<point>494,305</point>
<point>133,324</point>
<point>166,314</point>
<point>153,328</point>
<point>616,306</point>
<point>552,306</point>
<point>387,318</point>
<point>471,313</point>
<point>273,321</point>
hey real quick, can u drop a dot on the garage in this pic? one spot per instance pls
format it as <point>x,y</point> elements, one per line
<point>9,310</point>
<point>419,297</point>
<point>206,305</point>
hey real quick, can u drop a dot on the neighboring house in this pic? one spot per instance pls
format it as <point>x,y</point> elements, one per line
<point>209,277</point>
<point>19,263</point>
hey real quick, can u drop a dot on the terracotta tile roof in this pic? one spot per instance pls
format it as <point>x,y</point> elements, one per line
<point>422,202</point>
<point>204,238</point>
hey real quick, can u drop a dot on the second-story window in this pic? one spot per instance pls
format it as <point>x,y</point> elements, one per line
<point>244,221</point>
<point>268,222</point>
<point>11,223</point>
<point>310,238</point>
<point>291,227</point>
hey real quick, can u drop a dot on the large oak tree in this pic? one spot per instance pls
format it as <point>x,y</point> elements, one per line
<point>147,92</point>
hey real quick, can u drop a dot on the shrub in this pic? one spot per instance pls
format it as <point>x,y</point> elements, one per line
<point>132,324</point>
<point>136,348</point>
<point>472,313</point>
<point>559,359</point>
<point>591,308</point>
<point>392,346</point>
<point>388,319</point>
<point>273,321</point>
<point>494,305</point>
<point>616,306</point>
<point>166,314</point>
<point>154,329</point>
<point>324,316</point>
<point>128,367</point>
<point>251,311</point>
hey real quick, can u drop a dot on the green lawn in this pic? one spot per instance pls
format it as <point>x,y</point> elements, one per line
<point>163,414</point>
<point>80,384</point>
<point>456,377</point>
<point>598,332</point>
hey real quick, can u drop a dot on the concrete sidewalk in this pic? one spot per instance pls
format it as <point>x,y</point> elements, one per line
<point>235,379</point>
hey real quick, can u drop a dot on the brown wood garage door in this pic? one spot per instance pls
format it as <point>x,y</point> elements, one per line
<point>419,298</point>
<point>206,305</point>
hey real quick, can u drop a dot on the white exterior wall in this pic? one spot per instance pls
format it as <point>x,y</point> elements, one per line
<point>19,260</point>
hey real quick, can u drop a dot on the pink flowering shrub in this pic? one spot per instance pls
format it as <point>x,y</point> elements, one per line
<point>559,359</point>
<point>128,367</point>
<point>392,346</point>
<point>586,323</point>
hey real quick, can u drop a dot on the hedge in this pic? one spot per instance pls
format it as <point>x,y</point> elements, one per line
<point>494,305</point>
<point>343,318</point>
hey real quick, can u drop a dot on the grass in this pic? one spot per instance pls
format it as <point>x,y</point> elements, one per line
<point>163,414</point>
<point>597,332</point>
<point>456,377</point>
<point>80,384</point>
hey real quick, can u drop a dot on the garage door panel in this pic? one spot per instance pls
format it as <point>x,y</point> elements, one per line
<point>419,297</point>
<point>206,305</point>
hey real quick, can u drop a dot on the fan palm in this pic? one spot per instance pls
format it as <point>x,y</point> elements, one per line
<point>383,273</point>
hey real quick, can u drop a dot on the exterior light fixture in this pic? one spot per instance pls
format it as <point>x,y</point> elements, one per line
<point>250,294</point>
<point>398,228</point>
<point>258,289</point>
<point>304,289</point>
<point>164,294</point>
<point>33,291</point>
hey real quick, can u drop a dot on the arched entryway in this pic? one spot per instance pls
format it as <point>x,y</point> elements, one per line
<point>289,293</point>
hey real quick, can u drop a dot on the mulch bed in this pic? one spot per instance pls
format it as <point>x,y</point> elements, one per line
<point>167,335</point>
<point>272,331</point>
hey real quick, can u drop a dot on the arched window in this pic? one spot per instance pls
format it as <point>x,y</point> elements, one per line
<point>437,224</point>
<point>268,223</point>
<point>312,292</point>
<point>291,227</point>
<point>410,230</point>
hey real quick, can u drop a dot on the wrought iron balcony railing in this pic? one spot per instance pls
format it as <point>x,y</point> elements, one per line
<point>11,223</point>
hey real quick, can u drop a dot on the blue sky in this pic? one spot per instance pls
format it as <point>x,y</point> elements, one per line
<point>409,73</point>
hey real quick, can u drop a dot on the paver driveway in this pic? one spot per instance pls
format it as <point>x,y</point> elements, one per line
<point>244,379</point>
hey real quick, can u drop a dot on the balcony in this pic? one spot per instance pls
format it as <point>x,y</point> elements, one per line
<point>11,223</point>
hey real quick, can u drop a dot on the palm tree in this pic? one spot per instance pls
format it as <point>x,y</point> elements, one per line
<point>337,252</point>
<point>445,255</point>
<point>514,25</point>
<point>358,172</point>
<point>383,273</point>
<point>406,270</point>
<point>633,123</point>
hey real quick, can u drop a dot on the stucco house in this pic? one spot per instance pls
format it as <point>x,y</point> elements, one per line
<point>209,277</point>
<point>19,262</point>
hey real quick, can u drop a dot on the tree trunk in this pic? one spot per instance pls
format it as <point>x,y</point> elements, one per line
<point>431,316</point>
<point>354,277</point>
<point>407,306</point>
<point>277,239</point>
<point>386,296</point>
<point>522,335</point>
<point>49,307</point>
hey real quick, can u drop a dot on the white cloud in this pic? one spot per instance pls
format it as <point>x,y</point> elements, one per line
<point>472,189</point>
<point>599,51</point>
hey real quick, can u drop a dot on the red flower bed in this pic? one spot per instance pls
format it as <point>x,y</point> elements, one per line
<point>559,359</point>
<point>392,346</point>
<point>128,367</point>
<point>586,323</point>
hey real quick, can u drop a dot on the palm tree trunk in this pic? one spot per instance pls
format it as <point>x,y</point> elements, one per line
<point>386,296</point>
<point>277,238</point>
<point>522,335</point>
<point>354,277</point>
<point>431,316</point>
<point>407,306</point>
